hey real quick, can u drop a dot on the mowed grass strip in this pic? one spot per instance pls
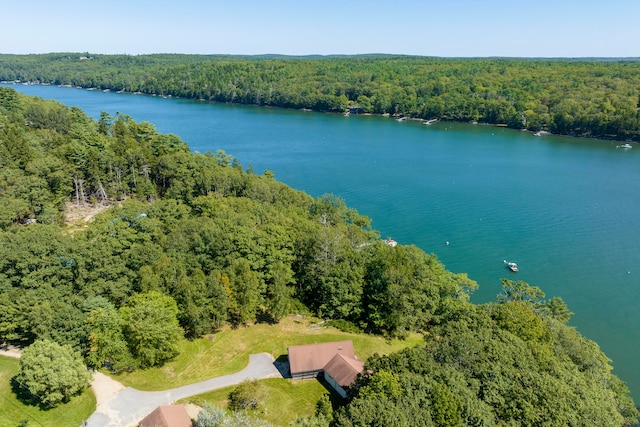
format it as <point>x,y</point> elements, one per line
<point>13,411</point>
<point>228,351</point>
<point>284,400</point>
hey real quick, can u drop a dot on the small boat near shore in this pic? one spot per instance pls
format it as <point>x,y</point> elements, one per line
<point>511,266</point>
<point>624,146</point>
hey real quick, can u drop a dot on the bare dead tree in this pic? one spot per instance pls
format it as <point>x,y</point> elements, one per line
<point>79,187</point>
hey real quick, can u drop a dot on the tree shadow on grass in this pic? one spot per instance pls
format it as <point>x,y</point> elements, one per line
<point>23,395</point>
<point>335,399</point>
<point>27,398</point>
<point>267,318</point>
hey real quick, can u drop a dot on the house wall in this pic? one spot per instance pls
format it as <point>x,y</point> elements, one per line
<point>335,385</point>
<point>305,375</point>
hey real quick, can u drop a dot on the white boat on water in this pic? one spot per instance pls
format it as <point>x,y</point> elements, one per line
<point>625,146</point>
<point>511,266</point>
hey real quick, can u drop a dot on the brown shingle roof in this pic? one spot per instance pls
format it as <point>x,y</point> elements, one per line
<point>167,416</point>
<point>313,357</point>
<point>344,369</point>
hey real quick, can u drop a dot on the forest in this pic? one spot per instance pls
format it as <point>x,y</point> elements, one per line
<point>187,243</point>
<point>579,97</point>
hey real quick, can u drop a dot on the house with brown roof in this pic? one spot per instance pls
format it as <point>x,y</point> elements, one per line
<point>167,416</point>
<point>336,360</point>
<point>341,372</point>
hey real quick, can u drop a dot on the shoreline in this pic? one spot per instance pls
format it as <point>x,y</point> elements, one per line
<point>398,117</point>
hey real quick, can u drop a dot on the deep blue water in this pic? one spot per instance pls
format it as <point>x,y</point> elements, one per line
<point>567,210</point>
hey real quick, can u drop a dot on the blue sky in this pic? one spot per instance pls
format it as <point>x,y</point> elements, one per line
<point>535,28</point>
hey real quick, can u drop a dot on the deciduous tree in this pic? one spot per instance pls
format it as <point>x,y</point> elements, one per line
<point>107,346</point>
<point>247,395</point>
<point>151,328</point>
<point>51,373</point>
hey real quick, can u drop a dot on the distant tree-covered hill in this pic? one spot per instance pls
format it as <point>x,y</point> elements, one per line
<point>187,243</point>
<point>581,97</point>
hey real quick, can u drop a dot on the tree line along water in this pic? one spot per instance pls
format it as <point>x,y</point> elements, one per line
<point>564,209</point>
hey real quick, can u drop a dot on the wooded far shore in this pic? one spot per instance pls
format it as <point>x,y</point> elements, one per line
<point>578,97</point>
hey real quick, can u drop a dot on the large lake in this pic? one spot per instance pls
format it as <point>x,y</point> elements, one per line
<point>567,210</point>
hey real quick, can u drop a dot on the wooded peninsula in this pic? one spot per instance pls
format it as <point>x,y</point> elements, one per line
<point>579,97</point>
<point>187,243</point>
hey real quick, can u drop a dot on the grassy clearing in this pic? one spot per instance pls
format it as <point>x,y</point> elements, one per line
<point>284,401</point>
<point>228,351</point>
<point>13,411</point>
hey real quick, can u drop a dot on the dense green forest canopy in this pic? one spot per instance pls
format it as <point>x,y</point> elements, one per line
<point>585,97</point>
<point>187,243</point>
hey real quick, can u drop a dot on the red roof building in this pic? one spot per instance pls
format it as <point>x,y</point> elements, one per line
<point>336,360</point>
<point>341,372</point>
<point>167,416</point>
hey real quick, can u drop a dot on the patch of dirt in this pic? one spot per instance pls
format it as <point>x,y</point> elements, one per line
<point>80,215</point>
<point>10,351</point>
<point>192,410</point>
<point>169,372</point>
<point>105,388</point>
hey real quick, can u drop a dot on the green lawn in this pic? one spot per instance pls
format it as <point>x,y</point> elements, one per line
<point>13,411</point>
<point>228,351</point>
<point>284,401</point>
